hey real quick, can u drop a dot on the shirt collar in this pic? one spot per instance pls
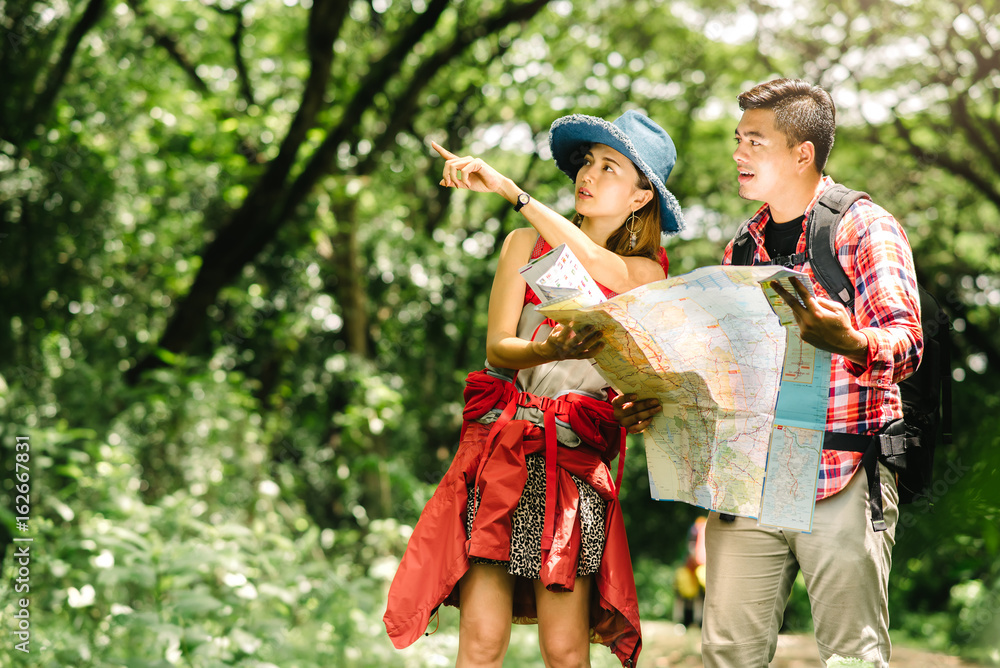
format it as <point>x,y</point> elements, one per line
<point>821,187</point>
<point>763,214</point>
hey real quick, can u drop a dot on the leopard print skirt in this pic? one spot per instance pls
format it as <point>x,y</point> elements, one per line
<point>527,525</point>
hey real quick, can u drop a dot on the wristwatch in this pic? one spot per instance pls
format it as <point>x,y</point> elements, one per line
<point>522,200</point>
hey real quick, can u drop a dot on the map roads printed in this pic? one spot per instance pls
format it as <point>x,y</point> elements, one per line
<point>744,398</point>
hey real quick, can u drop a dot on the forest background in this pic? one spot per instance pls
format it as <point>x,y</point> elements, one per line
<point>237,311</point>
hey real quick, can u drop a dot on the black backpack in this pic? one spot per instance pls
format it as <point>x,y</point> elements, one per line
<point>926,394</point>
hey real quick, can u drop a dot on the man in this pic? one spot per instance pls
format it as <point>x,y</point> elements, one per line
<point>782,143</point>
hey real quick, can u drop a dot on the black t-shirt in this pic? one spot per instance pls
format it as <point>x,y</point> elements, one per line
<point>782,238</point>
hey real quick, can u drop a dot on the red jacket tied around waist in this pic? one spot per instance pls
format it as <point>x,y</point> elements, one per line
<point>490,457</point>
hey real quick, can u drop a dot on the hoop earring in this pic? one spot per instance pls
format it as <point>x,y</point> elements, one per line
<point>630,227</point>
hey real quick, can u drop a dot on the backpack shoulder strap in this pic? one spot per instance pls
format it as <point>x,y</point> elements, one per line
<point>821,235</point>
<point>743,246</point>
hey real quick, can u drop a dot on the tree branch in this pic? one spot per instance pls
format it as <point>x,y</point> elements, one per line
<point>984,144</point>
<point>405,104</point>
<point>350,284</point>
<point>374,83</point>
<point>326,18</point>
<point>171,45</point>
<point>962,169</point>
<point>237,41</point>
<point>241,66</point>
<point>57,77</point>
<point>173,49</point>
<point>259,218</point>
<point>253,225</point>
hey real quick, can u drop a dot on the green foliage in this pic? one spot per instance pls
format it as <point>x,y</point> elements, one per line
<point>238,310</point>
<point>798,617</point>
<point>222,569</point>
<point>944,574</point>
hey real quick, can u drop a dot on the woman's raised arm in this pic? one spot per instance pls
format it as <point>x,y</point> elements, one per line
<point>608,268</point>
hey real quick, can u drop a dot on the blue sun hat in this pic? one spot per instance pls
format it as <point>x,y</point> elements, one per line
<point>632,134</point>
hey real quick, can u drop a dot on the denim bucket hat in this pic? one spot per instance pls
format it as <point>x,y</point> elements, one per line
<point>632,134</point>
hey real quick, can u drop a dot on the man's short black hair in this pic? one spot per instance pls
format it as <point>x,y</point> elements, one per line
<point>802,112</point>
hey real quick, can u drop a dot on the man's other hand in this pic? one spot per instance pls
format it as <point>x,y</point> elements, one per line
<point>635,414</point>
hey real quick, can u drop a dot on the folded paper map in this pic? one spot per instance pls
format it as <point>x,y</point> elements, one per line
<point>744,398</point>
<point>558,275</point>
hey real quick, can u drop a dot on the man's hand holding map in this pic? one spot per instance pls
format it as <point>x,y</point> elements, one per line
<point>741,429</point>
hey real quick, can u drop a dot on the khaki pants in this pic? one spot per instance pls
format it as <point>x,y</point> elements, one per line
<point>845,565</point>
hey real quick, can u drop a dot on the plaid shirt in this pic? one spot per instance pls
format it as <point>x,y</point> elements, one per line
<point>874,251</point>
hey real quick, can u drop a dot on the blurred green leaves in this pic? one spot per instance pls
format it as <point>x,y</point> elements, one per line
<point>244,499</point>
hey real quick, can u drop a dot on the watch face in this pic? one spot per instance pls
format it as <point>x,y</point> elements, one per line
<point>523,198</point>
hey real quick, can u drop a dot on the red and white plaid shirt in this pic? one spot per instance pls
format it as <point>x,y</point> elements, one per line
<point>873,249</point>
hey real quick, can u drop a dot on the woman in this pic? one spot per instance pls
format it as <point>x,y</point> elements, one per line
<point>526,524</point>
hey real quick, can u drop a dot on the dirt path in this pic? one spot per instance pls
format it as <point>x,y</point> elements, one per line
<point>666,645</point>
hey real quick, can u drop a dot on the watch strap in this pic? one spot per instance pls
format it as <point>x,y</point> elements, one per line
<point>522,200</point>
